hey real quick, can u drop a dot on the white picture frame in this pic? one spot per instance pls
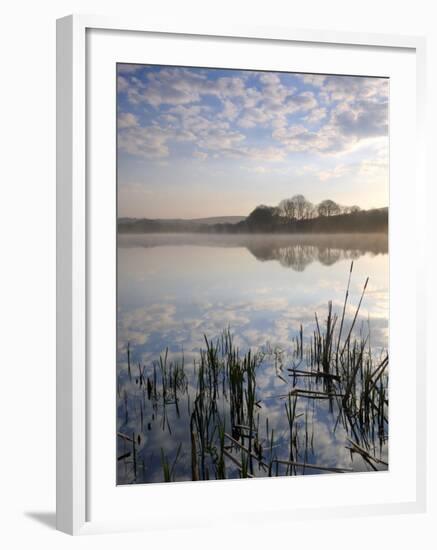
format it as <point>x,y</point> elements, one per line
<point>73,263</point>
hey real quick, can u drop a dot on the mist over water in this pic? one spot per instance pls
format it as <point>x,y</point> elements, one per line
<point>173,289</point>
<point>295,251</point>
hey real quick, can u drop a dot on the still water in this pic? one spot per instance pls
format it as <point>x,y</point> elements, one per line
<point>175,290</point>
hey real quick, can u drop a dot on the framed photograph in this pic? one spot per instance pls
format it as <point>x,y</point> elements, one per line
<point>238,320</point>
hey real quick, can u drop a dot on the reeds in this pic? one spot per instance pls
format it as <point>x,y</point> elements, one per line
<point>224,405</point>
<point>168,471</point>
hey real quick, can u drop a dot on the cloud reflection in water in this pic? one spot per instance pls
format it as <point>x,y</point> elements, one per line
<point>174,289</point>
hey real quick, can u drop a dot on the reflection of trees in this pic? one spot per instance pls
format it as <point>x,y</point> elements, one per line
<point>329,256</point>
<point>295,251</point>
<point>298,257</point>
<point>299,254</point>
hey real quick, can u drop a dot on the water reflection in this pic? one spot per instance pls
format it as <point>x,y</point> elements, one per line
<point>175,289</point>
<point>295,251</point>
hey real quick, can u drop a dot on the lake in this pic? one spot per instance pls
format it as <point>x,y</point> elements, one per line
<point>312,395</point>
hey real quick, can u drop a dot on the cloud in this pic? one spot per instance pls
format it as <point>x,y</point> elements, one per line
<point>218,114</point>
<point>219,139</point>
<point>227,87</point>
<point>373,167</point>
<point>230,110</point>
<point>128,68</point>
<point>332,173</point>
<point>149,142</point>
<point>122,84</point>
<point>127,120</point>
<point>347,125</point>
<point>298,138</point>
<point>351,109</point>
<point>134,325</point>
<point>316,80</point>
<point>275,104</point>
<point>193,124</point>
<point>362,119</point>
<point>182,86</point>
<point>201,155</point>
<point>355,88</point>
<point>168,86</point>
<point>316,115</point>
<point>254,117</point>
<point>269,154</point>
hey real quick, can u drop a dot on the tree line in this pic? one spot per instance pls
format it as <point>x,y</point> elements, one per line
<point>293,215</point>
<point>300,208</point>
<point>297,214</point>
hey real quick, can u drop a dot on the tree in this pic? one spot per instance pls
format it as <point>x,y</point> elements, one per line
<point>328,208</point>
<point>308,211</point>
<point>296,208</point>
<point>287,209</point>
<point>263,217</point>
<point>300,202</point>
<point>350,209</point>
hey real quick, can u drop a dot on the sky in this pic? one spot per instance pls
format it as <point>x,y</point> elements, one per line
<point>196,142</point>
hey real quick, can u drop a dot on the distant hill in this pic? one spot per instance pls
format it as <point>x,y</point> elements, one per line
<point>145,225</point>
<point>219,219</point>
<point>264,220</point>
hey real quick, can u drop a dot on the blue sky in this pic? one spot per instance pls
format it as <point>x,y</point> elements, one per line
<point>195,142</point>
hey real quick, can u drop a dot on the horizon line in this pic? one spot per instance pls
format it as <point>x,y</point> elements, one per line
<point>219,215</point>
